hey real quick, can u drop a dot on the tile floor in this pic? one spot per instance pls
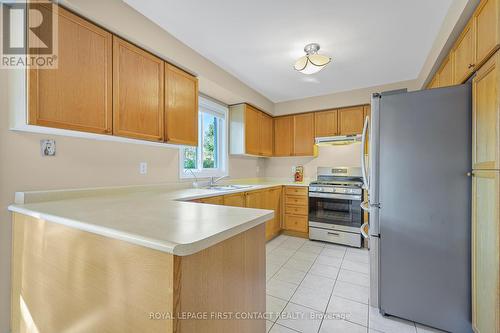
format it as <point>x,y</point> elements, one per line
<point>319,287</point>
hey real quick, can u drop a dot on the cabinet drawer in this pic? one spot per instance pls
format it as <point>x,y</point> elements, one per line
<point>295,200</point>
<point>296,223</point>
<point>296,190</point>
<point>297,210</point>
<point>335,236</point>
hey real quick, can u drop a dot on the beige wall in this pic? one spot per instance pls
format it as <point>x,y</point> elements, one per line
<point>280,167</point>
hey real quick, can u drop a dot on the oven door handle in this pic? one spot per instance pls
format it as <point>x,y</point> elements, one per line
<point>334,196</point>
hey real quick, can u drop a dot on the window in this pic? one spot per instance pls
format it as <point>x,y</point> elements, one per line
<point>209,158</point>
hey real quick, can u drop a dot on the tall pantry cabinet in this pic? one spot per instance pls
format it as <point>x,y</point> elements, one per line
<point>486,198</point>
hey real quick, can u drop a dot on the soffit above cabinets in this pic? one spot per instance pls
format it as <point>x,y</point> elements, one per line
<point>370,42</point>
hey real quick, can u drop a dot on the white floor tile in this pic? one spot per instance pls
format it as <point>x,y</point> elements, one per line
<point>305,256</point>
<point>269,324</point>
<point>310,248</point>
<point>274,306</point>
<point>426,329</point>
<point>277,328</point>
<point>290,275</point>
<point>283,251</point>
<point>335,246</point>
<point>280,289</point>
<point>301,319</point>
<point>358,257</point>
<point>276,259</point>
<point>333,252</point>
<point>314,243</point>
<point>356,266</point>
<point>354,312</point>
<point>354,277</point>
<point>292,243</point>
<point>351,291</point>
<point>312,298</point>
<point>330,261</point>
<point>389,324</point>
<point>341,326</point>
<point>324,270</point>
<point>318,282</point>
<point>298,264</point>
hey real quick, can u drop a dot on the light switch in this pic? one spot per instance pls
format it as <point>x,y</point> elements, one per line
<point>48,147</point>
<point>143,168</point>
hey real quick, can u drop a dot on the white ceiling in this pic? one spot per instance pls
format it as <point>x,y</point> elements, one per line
<point>372,42</point>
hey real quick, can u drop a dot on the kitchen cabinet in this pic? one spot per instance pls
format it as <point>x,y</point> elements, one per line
<point>351,120</point>
<point>235,200</point>
<point>446,72</point>
<point>250,131</point>
<point>434,83</point>
<point>217,200</point>
<point>296,209</point>
<point>181,107</point>
<point>303,134</point>
<point>485,251</point>
<point>463,50</point>
<point>266,135</point>
<point>272,201</point>
<point>325,123</point>
<point>283,136</point>
<point>138,80</point>
<point>487,28</point>
<point>78,94</point>
<point>255,199</point>
<point>486,115</point>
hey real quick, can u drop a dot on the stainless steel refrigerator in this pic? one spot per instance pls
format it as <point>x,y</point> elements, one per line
<point>419,190</point>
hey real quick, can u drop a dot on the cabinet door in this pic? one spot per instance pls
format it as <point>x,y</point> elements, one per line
<point>296,223</point>
<point>434,82</point>
<point>277,198</point>
<point>218,200</point>
<point>464,62</point>
<point>485,115</point>
<point>325,123</point>
<point>181,107</point>
<point>266,135</point>
<point>252,131</point>
<point>235,200</point>
<point>485,252</point>
<point>351,120</point>
<point>303,134</point>
<point>446,72</point>
<point>486,18</point>
<point>78,94</point>
<point>254,199</point>
<point>283,136</point>
<point>138,77</point>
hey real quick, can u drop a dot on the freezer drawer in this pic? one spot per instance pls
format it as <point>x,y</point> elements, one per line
<point>335,236</point>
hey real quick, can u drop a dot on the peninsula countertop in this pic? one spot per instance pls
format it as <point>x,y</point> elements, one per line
<point>157,217</point>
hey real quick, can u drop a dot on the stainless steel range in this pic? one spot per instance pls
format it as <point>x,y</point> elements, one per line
<point>335,213</point>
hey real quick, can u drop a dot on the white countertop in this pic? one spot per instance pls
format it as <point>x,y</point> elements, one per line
<point>150,216</point>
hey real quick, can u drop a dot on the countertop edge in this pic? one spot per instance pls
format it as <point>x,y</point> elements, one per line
<point>163,246</point>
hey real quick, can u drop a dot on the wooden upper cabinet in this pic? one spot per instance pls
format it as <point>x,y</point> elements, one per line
<point>464,61</point>
<point>446,72</point>
<point>486,115</point>
<point>78,94</point>
<point>325,123</point>
<point>252,130</point>
<point>367,111</point>
<point>138,79</point>
<point>181,107</point>
<point>351,120</point>
<point>266,135</point>
<point>303,134</point>
<point>283,136</point>
<point>487,27</point>
<point>434,83</point>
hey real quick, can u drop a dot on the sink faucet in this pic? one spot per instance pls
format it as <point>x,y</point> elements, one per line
<point>214,180</point>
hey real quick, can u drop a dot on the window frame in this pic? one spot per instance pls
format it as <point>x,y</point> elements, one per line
<point>206,105</point>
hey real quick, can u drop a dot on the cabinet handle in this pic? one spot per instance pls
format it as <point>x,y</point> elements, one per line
<point>471,66</point>
<point>471,173</point>
<point>333,233</point>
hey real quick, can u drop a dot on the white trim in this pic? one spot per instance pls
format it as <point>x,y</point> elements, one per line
<point>220,111</point>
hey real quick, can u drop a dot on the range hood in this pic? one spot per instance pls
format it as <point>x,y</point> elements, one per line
<point>338,140</point>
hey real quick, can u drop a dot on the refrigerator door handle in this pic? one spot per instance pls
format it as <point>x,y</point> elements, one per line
<point>364,137</point>
<point>364,229</point>
<point>365,205</point>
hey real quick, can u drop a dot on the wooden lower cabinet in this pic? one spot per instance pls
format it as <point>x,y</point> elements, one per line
<point>218,200</point>
<point>486,251</point>
<point>296,209</point>
<point>273,201</point>
<point>235,200</point>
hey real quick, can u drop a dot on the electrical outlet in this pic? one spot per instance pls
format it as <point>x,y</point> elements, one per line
<point>143,168</point>
<point>48,147</point>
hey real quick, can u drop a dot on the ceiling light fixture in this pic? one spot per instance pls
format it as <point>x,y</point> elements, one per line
<point>312,62</point>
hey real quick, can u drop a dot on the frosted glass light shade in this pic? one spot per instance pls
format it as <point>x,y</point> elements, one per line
<point>311,63</point>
